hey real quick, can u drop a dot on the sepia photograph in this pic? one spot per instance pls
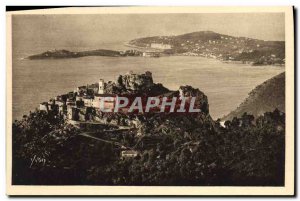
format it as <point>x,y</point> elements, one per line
<point>150,101</point>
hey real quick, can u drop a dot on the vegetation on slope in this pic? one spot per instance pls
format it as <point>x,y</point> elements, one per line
<point>174,150</point>
<point>266,97</point>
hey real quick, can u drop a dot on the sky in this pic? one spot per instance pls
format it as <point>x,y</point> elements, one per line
<point>94,30</point>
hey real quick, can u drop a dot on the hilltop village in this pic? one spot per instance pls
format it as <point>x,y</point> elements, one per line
<point>82,106</point>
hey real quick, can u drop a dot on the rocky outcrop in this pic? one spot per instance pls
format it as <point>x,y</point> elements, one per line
<point>201,98</point>
<point>135,82</point>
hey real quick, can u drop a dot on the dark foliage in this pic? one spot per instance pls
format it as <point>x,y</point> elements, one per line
<point>174,150</point>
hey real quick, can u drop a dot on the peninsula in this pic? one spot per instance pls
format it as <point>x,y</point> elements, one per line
<point>64,54</point>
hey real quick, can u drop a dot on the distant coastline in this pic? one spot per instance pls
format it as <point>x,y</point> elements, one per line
<point>206,44</point>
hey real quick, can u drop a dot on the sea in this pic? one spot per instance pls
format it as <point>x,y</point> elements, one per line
<point>225,84</point>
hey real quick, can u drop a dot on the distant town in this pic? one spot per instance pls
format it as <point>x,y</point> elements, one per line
<point>218,46</point>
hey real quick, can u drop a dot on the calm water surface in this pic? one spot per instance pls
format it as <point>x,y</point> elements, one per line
<point>226,85</point>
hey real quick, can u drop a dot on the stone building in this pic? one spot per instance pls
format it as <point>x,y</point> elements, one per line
<point>129,154</point>
<point>43,106</point>
<point>72,113</point>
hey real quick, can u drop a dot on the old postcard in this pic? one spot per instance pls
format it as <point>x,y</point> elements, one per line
<point>150,101</point>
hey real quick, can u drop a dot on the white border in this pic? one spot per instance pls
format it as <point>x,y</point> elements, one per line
<point>126,190</point>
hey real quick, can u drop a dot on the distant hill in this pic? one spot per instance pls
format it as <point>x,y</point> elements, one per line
<point>264,98</point>
<point>219,46</point>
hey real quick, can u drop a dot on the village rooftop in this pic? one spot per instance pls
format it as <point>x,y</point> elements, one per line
<point>149,104</point>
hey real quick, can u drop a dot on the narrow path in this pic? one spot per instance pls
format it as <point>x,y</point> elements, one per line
<point>85,134</point>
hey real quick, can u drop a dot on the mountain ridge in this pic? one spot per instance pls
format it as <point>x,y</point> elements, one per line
<point>265,97</point>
